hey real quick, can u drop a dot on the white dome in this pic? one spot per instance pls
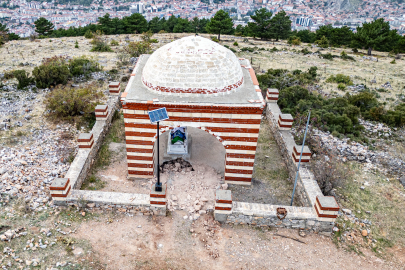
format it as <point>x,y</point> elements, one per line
<point>193,65</point>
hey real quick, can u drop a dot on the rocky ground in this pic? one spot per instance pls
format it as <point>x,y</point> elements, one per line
<point>34,151</point>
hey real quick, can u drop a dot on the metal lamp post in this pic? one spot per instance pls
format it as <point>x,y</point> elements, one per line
<point>155,116</point>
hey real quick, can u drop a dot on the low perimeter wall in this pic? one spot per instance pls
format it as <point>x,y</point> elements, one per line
<point>318,212</point>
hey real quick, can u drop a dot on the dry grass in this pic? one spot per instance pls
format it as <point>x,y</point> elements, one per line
<point>60,251</point>
<point>361,71</point>
<point>383,199</point>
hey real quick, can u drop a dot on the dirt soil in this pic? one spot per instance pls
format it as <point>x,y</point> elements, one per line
<point>151,242</point>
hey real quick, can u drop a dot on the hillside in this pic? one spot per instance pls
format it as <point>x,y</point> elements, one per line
<point>36,147</point>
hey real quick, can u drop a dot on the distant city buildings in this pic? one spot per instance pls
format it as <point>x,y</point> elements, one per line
<point>19,15</point>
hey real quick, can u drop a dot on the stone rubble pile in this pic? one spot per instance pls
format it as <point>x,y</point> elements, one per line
<point>16,108</point>
<point>28,171</point>
<point>11,234</point>
<point>191,191</point>
<point>354,151</point>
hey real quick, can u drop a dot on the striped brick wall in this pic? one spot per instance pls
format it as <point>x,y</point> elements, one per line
<point>237,128</point>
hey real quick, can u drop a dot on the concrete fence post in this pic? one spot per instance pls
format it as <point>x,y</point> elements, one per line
<point>60,189</point>
<point>272,95</point>
<point>223,205</point>
<point>101,112</point>
<point>114,88</point>
<point>306,154</point>
<point>285,121</point>
<point>158,200</point>
<point>85,140</point>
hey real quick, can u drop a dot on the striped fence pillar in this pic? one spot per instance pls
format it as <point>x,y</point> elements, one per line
<point>326,208</point>
<point>272,95</point>
<point>285,121</point>
<point>59,190</point>
<point>158,200</point>
<point>306,154</point>
<point>85,140</point>
<point>223,205</point>
<point>114,88</point>
<point>101,112</point>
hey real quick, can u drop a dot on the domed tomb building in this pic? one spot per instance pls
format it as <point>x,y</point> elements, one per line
<point>203,85</point>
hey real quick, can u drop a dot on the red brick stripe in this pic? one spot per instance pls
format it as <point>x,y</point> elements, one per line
<point>272,98</point>
<point>139,142</point>
<point>60,188</point>
<point>285,120</point>
<point>100,110</point>
<point>241,147</point>
<point>139,172</point>
<point>241,179</point>
<point>236,163</point>
<point>324,215</point>
<point>233,130</point>
<point>284,126</point>
<point>243,139</point>
<point>198,119</point>
<point>223,208</point>
<point>328,208</point>
<point>298,153</point>
<point>298,159</point>
<point>159,203</point>
<point>136,125</point>
<point>239,171</point>
<point>139,158</point>
<point>224,201</point>
<point>194,108</point>
<point>139,165</point>
<point>86,146</point>
<point>158,195</point>
<point>139,150</point>
<point>85,140</point>
<point>140,134</point>
<point>237,155</point>
<point>62,195</point>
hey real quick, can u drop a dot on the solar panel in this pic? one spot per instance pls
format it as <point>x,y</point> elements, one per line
<point>158,115</point>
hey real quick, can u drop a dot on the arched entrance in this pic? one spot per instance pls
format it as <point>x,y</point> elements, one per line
<point>204,149</point>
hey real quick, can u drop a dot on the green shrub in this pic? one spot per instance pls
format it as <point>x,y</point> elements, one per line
<point>88,34</point>
<point>340,78</point>
<point>294,40</point>
<point>153,40</point>
<point>282,78</point>
<point>114,43</point>
<point>135,49</point>
<point>76,44</point>
<point>393,62</point>
<point>215,39</point>
<point>341,86</point>
<point>8,75</point>
<point>327,56</point>
<point>66,103</point>
<point>344,56</point>
<point>52,71</point>
<point>235,44</point>
<point>305,51</point>
<point>233,50</point>
<point>274,49</point>
<point>99,43</point>
<point>23,79</point>
<point>247,49</point>
<point>83,65</point>
<point>323,42</point>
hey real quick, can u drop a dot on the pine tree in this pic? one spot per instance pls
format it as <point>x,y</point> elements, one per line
<point>43,27</point>
<point>261,24</point>
<point>371,35</point>
<point>280,26</point>
<point>221,23</point>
